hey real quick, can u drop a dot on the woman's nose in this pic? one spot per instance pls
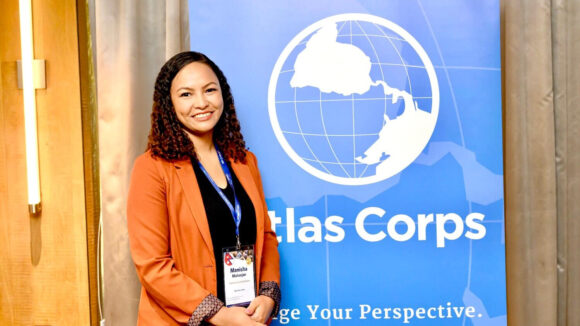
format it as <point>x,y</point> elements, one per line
<point>200,101</point>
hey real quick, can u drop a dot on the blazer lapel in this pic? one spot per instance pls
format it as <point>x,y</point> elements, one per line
<point>245,176</point>
<point>194,200</point>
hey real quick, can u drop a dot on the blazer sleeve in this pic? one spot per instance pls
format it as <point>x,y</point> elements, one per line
<point>270,265</point>
<point>178,295</point>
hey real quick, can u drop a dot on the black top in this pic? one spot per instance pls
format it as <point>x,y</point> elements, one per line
<point>221,222</point>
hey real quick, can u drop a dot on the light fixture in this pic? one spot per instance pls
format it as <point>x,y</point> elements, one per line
<point>32,166</point>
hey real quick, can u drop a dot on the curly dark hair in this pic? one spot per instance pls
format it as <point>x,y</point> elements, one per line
<point>167,139</point>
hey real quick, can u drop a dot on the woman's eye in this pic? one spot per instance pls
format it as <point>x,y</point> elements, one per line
<point>185,94</point>
<point>209,90</point>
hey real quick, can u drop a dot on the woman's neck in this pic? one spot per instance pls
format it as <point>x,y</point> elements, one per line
<point>203,145</point>
<point>208,157</point>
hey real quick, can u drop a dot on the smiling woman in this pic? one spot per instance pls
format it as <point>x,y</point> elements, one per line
<point>197,98</point>
<point>183,81</point>
<point>195,202</point>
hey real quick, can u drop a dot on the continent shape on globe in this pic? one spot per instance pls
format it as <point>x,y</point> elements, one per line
<point>344,69</point>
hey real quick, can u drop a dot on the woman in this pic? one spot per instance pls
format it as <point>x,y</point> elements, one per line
<point>196,197</point>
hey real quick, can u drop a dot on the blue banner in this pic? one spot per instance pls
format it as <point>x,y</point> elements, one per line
<point>377,126</point>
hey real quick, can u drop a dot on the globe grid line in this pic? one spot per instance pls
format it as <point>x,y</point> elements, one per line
<point>443,67</point>
<point>326,136</point>
<point>383,78</point>
<point>402,60</point>
<point>379,36</point>
<point>327,260</point>
<point>340,28</point>
<point>304,139</point>
<point>468,68</point>
<point>397,65</point>
<point>371,35</point>
<point>353,135</point>
<point>380,66</point>
<point>331,135</point>
<point>396,166</point>
<point>348,100</point>
<point>451,91</point>
<point>338,34</point>
<point>350,31</point>
<point>353,115</point>
<point>324,126</point>
<point>470,262</point>
<point>335,163</point>
<point>385,64</point>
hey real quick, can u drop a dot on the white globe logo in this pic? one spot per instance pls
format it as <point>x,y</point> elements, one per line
<point>353,99</point>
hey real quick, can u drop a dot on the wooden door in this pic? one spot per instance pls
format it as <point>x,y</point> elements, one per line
<point>53,290</point>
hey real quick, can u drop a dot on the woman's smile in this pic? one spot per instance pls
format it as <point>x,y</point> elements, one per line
<point>202,116</point>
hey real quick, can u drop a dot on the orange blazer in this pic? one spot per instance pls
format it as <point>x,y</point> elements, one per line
<point>170,240</point>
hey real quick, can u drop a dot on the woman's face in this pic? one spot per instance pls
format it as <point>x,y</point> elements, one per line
<point>197,98</point>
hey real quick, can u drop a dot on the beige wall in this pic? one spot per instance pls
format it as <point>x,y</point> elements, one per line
<point>55,291</point>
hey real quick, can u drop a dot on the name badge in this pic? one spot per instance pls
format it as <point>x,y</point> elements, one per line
<point>239,279</point>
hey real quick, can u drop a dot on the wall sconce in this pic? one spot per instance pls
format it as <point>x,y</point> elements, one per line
<point>28,79</point>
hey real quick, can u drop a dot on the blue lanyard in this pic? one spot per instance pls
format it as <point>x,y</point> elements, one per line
<point>237,211</point>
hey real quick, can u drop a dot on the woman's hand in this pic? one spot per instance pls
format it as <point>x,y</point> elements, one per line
<point>260,308</point>
<point>234,316</point>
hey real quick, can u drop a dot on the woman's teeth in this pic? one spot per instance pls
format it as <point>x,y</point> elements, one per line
<point>202,115</point>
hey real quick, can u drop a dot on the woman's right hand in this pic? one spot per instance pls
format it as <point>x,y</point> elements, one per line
<point>233,316</point>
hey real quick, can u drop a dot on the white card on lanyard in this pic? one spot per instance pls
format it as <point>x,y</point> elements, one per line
<point>239,275</point>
